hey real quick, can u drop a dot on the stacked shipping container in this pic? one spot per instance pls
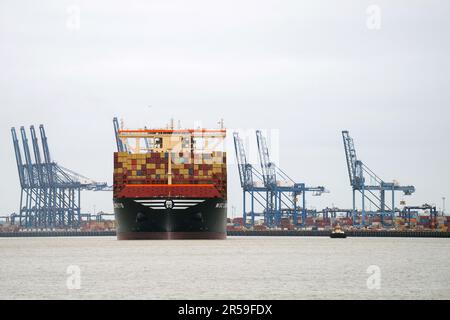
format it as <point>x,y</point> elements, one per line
<point>185,168</point>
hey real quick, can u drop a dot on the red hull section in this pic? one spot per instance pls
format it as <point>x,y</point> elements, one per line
<point>173,190</point>
<point>171,235</point>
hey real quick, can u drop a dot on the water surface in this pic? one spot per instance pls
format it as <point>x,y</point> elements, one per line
<point>237,268</point>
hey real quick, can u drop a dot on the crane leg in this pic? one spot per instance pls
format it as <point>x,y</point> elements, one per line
<point>253,209</point>
<point>363,212</point>
<point>245,211</point>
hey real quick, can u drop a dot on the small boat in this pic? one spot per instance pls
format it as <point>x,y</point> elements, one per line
<point>338,233</point>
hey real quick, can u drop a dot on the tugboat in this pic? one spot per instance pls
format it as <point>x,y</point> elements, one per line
<point>338,233</point>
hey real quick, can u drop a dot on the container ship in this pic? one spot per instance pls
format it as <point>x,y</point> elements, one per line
<point>170,183</point>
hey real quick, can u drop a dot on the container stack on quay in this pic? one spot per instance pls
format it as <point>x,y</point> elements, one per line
<point>105,225</point>
<point>286,224</point>
<point>345,221</point>
<point>260,227</point>
<point>322,223</point>
<point>7,227</point>
<point>236,224</point>
<point>425,222</point>
<point>440,223</point>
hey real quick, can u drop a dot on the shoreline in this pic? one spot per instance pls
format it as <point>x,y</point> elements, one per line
<point>266,233</point>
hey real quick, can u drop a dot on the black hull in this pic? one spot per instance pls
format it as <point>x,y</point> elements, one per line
<point>158,218</point>
<point>338,235</point>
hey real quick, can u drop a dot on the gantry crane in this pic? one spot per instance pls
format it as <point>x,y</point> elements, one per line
<point>264,189</point>
<point>50,193</point>
<point>251,181</point>
<point>281,197</point>
<point>358,174</point>
<point>433,213</point>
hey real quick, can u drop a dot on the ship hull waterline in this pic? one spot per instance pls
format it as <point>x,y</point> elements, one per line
<point>170,218</point>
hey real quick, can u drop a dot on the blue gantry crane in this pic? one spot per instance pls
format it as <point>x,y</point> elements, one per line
<point>277,198</point>
<point>251,181</point>
<point>50,193</point>
<point>282,191</point>
<point>359,173</point>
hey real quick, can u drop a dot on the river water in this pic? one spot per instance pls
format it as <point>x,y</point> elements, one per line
<point>236,268</point>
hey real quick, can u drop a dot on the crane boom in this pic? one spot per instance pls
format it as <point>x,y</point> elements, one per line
<point>267,167</point>
<point>120,146</point>
<point>18,154</point>
<point>244,168</point>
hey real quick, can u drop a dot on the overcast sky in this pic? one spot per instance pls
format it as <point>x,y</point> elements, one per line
<point>303,69</point>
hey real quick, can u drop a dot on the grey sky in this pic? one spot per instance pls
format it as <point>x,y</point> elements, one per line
<point>307,69</point>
